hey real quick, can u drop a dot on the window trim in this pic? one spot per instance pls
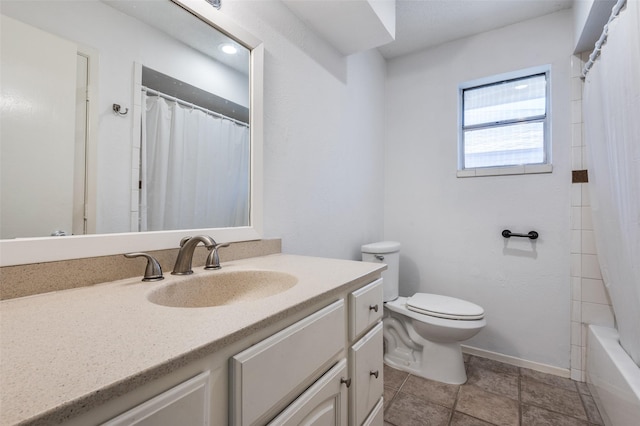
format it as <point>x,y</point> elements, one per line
<point>544,167</point>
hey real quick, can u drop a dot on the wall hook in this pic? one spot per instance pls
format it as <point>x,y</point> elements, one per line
<point>118,110</point>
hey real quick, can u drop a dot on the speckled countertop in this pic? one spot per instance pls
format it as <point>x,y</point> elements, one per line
<point>81,347</point>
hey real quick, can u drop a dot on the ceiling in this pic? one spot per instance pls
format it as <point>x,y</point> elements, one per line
<point>180,24</point>
<point>421,24</point>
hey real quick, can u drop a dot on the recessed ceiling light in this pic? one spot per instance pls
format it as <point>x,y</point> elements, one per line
<point>228,48</point>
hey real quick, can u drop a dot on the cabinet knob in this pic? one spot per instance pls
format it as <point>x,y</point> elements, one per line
<point>374,373</point>
<point>373,308</point>
<point>345,381</point>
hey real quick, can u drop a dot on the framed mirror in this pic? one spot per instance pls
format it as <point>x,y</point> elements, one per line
<point>125,126</point>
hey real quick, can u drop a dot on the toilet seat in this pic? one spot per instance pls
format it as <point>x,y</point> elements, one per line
<point>445,307</point>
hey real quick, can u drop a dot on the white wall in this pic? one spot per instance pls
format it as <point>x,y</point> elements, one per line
<point>450,227</point>
<point>323,144</point>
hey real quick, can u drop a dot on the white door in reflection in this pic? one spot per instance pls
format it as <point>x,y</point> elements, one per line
<point>38,116</point>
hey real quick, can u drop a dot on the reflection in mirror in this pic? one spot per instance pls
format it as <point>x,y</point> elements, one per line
<point>175,156</point>
<point>194,161</point>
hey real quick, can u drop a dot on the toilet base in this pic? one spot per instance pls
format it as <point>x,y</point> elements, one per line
<point>442,362</point>
<point>405,350</point>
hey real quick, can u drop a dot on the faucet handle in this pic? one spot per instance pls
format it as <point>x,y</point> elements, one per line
<point>213,260</point>
<point>153,271</point>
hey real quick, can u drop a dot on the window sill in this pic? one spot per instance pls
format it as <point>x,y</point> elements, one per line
<point>508,170</point>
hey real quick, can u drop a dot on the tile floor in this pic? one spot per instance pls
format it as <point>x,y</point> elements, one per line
<point>495,394</point>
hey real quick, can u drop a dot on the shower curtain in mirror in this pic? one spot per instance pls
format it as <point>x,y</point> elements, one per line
<point>611,108</point>
<point>194,168</point>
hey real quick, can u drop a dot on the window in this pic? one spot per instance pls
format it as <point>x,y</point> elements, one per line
<point>504,124</point>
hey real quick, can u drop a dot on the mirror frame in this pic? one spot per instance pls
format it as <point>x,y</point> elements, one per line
<point>23,251</point>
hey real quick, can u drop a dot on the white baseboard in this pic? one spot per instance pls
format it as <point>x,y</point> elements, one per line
<point>518,362</point>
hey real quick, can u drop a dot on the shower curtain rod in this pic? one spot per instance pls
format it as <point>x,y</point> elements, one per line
<point>190,105</point>
<point>615,11</point>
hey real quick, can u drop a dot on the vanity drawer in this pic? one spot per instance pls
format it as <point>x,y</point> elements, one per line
<point>367,374</point>
<point>376,418</point>
<point>272,373</point>
<point>365,308</point>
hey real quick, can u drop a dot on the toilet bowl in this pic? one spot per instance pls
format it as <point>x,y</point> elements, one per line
<point>422,333</point>
<point>427,345</point>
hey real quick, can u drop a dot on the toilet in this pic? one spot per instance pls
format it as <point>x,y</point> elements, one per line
<point>422,333</point>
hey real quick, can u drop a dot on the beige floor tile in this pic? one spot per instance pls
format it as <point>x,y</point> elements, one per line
<point>583,388</point>
<point>460,419</point>
<point>430,390</point>
<point>536,416</point>
<point>548,379</point>
<point>409,410</point>
<point>552,398</point>
<point>489,398</point>
<point>492,365</point>
<point>487,406</point>
<point>394,378</point>
<point>388,394</point>
<point>593,414</point>
<point>493,381</point>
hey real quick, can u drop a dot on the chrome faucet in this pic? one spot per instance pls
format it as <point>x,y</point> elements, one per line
<point>185,255</point>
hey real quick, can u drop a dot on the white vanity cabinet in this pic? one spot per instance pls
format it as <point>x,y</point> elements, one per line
<point>187,403</point>
<point>266,377</point>
<point>365,308</point>
<point>324,403</point>
<point>366,355</point>
<point>319,366</point>
<point>323,370</point>
<point>376,418</point>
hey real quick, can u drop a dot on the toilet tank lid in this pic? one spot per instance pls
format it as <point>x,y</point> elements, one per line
<point>381,247</point>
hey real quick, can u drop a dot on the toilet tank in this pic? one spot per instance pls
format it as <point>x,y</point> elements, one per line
<point>387,252</point>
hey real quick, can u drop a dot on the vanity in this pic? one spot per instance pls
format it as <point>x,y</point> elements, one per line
<point>282,339</point>
<point>106,354</point>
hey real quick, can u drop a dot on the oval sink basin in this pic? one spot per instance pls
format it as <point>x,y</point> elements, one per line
<point>221,288</point>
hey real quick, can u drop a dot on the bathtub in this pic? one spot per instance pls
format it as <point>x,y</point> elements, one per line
<point>613,378</point>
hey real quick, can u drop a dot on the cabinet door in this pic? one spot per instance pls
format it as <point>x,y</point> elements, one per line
<point>376,418</point>
<point>366,371</point>
<point>365,308</point>
<point>272,373</point>
<point>323,404</point>
<point>186,404</point>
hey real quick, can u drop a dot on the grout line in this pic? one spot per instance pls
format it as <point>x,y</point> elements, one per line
<point>455,404</point>
<point>519,396</point>
<point>404,381</point>
<point>520,382</point>
<point>584,407</point>
<point>395,394</point>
